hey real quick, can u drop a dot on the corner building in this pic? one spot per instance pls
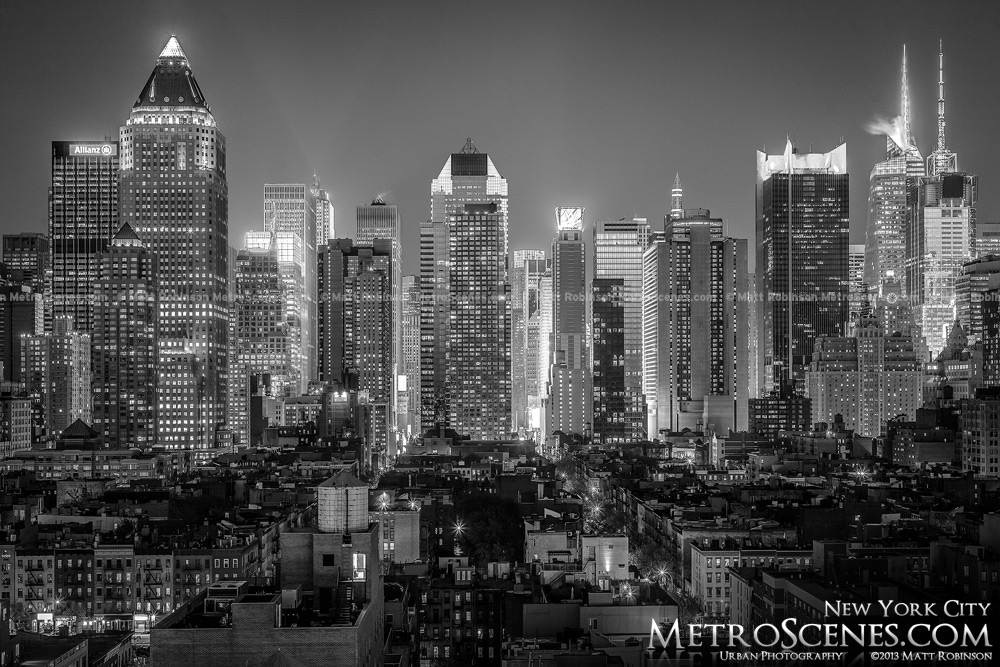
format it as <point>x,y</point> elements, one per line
<point>173,193</point>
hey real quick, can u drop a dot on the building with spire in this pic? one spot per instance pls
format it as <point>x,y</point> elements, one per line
<point>468,177</point>
<point>126,343</point>
<point>803,228</point>
<point>695,327</point>
<point>173,192</point>
<point>941,235</point>
<point>569,373</point>
<point>885,235</point>
<point>677,198</point>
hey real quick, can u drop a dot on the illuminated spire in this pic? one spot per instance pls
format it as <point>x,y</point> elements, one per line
<point>941,161</point>
<point>677,198</point>
<point>172,50</point>
<point>906,105</point>
<point>940,141</point>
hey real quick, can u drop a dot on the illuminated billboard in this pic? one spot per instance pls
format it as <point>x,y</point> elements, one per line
<point>93,150</point>
<point>569,217</point>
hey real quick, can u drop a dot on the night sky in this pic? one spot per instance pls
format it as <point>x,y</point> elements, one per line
<point>593,104</point>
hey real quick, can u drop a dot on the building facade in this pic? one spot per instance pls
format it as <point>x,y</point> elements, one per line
<point>56,367</point>
<point>803,226</point>
<point>618,250</point>
<point>867,377</point>
<point>83,217</point>
<point>125,343</point>
<point>290,214</point>
<point>523,272</point>
<point>478,344</point>
<point>569,374</point>
<point>696,327</point>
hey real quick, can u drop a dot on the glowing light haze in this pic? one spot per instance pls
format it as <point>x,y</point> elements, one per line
<point>593,103</point>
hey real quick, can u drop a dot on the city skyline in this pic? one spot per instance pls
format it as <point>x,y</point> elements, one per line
<point>615,154</point>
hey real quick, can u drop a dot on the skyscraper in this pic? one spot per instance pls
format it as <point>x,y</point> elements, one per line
<point>885,235</point>
<point>570,396</point>
<point>523,272</point>
<point>264,338</point>
<point>410,361</point>
<point>381,221</point>
<point>535,372</point>
<point>56,367</point>
<point>478,369</point>
<point>803,220</point>
<point>696,327</point>
<point>125,343</point>
<point>468,177</point>
<point>357,326</point>
<point>83,217</point>
<point>942,235</point>
<point>290,212</point>
<point>173,193</point>
<point>618,249</point>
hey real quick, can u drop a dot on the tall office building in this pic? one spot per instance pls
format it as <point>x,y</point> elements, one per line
<point>357,327</point>
<point>868,377</point>
<point>856,292</point>
<point>613,418</point>
<point>468,177</point>
<point>570,395</point>
<point>524,282</point>
<point>26,258</point>
<point>803,225</point>
<point>410,361</point>
<point>55,367</point>
<point>83,217</point>
<point>696,327</point>
<point>941,236</point>
<point>540,335</point>
<point>173,193</point>
<point>265,341</point>
<point>290,213</point>
<point>125,343</point>
<point>381,221</point>
<point>325,221</point>
<point>618,249</point>
<point>973,286</point>
<point>885,234</point>
<point>478,369</point>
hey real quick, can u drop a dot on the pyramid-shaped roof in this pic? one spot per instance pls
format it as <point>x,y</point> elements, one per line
<point>126,236</point>
<point>79,429</point>
<point>343,479</point>
<point>172,84</point>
